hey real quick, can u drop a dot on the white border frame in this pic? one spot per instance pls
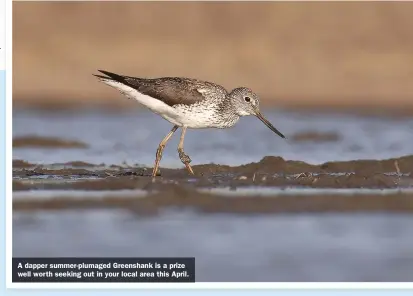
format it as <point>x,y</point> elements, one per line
<point>170,286</point>
<point>220,286</point>
<point>9,132</point>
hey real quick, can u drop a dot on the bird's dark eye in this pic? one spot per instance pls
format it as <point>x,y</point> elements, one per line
<point>247,99</point>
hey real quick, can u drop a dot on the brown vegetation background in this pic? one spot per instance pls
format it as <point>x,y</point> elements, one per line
<point>319,54</point>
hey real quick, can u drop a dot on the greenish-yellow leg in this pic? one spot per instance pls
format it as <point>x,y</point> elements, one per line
<point>184,158</point>
<point>160,150</point>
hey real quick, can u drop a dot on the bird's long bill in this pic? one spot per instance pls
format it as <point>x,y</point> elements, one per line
<point>267,123</point>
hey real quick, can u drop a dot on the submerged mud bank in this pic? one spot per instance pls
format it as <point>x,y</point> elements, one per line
<point>176,196</point>
<point>46,142</point>
<point>270,171</point>
<point>314,136</point>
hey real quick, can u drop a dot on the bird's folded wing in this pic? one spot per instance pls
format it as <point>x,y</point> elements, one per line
<point>176,91</point>
<point>170,90</point>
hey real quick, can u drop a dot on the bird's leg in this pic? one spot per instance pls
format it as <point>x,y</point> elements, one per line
<point>160,150</point>
<point>184,158</point>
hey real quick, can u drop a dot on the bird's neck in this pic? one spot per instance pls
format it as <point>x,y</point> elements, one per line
<point>227,110</point>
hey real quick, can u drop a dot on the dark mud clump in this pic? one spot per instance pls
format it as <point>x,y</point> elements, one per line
<point>46,142</point>
<point>20,186</point>
<point>17,163</point>
<point>403,165</point>
<point>277,165</point>
<point>174,196</point>
<point>312,136</point>
<point>268,165</point>
<point>78,164</point>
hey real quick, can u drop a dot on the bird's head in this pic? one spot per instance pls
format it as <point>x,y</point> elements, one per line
<point>246,103</point>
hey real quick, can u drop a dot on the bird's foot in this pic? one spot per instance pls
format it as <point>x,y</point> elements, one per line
<point>185,160</point>
<point>184,157</point>
<point>156,173</point>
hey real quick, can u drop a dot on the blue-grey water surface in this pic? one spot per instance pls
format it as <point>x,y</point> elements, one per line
<point>133,138</point>
<point>278,247</point>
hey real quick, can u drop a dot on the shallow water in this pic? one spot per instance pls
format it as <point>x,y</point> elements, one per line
<point>329,247</point>
<point>133,137</point>
<point>274,191</point>
<point>271,192</point>
<point>227,247</point>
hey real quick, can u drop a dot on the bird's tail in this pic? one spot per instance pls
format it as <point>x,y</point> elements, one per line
<point>110,76</point>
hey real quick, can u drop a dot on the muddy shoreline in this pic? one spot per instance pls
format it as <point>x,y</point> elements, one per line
<point>269,171</point>
<point>174,188</point>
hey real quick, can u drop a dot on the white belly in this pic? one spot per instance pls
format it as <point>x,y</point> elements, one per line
<point>199,116</point>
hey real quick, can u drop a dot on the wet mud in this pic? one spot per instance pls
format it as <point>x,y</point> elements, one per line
<point>17,163</point>
<point>46,142</point>
<point>270,171</point>
<point>175,188</point>
<point>175,196</point>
